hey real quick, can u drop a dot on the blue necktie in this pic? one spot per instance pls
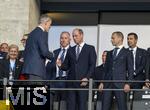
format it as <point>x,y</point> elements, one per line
<point>77,52</point>
<point>62,59</point>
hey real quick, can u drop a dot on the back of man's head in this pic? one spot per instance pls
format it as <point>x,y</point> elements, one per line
<point>44,18</point>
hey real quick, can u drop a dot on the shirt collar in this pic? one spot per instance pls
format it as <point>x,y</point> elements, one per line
<point>134,49</point>
<point>12,60</point>
<point>65,47</point>
<point>41,28</point>
<point>120,46</point>
<point>82,44</point>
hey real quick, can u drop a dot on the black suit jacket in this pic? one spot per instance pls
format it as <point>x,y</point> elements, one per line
<point>120,68</point>
<point>5,69</point>
<point>148,64</point>
<point>99,73</point>
<point>83,67</point>
<point>140,63</point>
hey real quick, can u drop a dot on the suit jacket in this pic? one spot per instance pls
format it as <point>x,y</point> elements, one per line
<point>51,66</point>
<point>36,52</point>
<point>83,67</point>
<point>21,54</point>
<point>120,68</point>
<point>148,64</point>
<point>3,55</point>
<point>99,73</point>
<point>140,63</point>
<point>5,69</point>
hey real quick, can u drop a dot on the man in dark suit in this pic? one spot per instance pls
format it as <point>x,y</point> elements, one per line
<point>118,66</point>
<point>148,68</point>
<point>139,58</point>
<point>80,61</point>
<point>99,71</point>
<point>54,71</point>
<point>98,75</point>
<point>36,51</point>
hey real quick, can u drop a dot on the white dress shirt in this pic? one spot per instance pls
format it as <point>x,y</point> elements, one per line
<point>119,48</point>
<point>134,55</point>
<point>57,68</point>
<point>80,46</point>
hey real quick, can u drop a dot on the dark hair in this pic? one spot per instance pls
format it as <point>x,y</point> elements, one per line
<point>134,34</point>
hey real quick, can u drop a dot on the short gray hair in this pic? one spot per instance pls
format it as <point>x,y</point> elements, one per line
<point>44,18</point>
<point>119,34</point>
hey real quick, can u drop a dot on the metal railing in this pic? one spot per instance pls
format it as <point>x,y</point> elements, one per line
<point>90,88</point>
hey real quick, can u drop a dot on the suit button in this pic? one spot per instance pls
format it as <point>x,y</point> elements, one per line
<point>112,68</point>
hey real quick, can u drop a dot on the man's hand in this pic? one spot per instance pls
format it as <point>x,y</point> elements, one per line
<point>126,88</point>
<point>21,59</point>
<point>84,82</point>
<point>100,87</point>
<point>147,83</point>
<point>58,62</point>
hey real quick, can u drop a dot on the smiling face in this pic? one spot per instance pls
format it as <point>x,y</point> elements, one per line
<point>13,52</point>
<point>4,47</point>
<point>65,39</point>
<point>131,41</point>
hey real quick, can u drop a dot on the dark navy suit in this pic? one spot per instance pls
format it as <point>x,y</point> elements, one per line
<point>79,69</point>
<point>118,68</point>
<point>51,75</point>
<point>36,52</point>
<point>140,63</point>
<point>148,64</point>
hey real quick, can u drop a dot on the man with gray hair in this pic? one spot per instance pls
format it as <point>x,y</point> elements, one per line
<point>36,51</point>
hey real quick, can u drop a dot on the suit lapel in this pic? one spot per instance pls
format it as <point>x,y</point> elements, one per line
<point>137,55</point>
<point>120,53</point>
<point>82,51</point>
<point>17,69</point>
<point>57,52</point>
<point>73,51</point>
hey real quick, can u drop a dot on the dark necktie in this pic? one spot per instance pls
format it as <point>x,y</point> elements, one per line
<point>77,52</point>
<point>115,52</point>
<point>133,58</point>
<point>62,59</point>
